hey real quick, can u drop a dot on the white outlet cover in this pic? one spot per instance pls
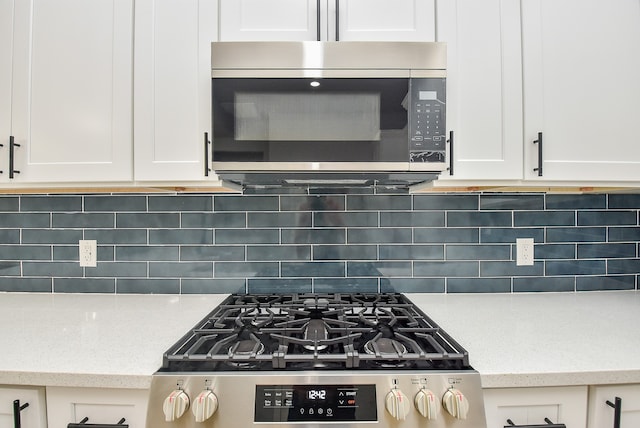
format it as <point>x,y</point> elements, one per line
<point>87,249</point>
<point>524,252</point>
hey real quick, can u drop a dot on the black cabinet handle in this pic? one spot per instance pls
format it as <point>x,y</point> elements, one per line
<point>539,143</point>
<point>207,143</point>
<point>450,141</point>
<point>617,411</point>
<point>547,424</point>
<point>83,424</point>
<point>17,408</point>
<point>318,20</point>
<point>337,20</point>
<point>12,146</point>
<point>1,171</point>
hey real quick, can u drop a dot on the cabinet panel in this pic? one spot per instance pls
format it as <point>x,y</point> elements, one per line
<point>386,20</point>
<point>32,416</point>
<point>6,37</point>
<point>289,20</point>
<point>602,415</point>
<point>567,405</point>
<point>172,87</point>
<point>484,87</point>
<point>581,88</point>
<point>101,406</point>
<point>71,101</point>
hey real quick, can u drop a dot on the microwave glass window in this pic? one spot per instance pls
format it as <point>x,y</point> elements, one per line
<point>328,120</point>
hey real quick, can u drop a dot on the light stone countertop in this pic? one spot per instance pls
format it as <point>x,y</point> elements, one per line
<point>514,340</point>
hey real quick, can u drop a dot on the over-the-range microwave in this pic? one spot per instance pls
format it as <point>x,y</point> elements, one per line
<point>328,113</point>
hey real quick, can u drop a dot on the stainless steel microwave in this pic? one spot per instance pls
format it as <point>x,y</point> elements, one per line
<point>349,113</point>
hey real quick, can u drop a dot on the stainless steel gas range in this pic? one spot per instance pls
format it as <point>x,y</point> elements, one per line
<point>316,360</point>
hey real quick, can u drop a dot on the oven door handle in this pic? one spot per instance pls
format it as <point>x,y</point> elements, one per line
<point>83,424</point>
<point>548,424</point>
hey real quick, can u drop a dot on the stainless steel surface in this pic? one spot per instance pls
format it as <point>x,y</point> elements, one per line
<point>330,166</point>
<point>306,57</point>
<point>236,396</point>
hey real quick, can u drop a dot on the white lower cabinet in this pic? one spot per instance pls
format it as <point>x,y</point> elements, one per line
<point>522,406</point>
<point>32,402</point>
<point>101,405</point>
<point>601,415</point>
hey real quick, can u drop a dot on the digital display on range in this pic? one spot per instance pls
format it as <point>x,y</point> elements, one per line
<point>315,403</point>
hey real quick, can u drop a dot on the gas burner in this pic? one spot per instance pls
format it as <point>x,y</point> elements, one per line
<point>246,348</point>
<point>316,332</point>
<point>385,347</point>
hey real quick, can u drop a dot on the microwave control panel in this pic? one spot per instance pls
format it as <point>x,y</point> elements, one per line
<point>427,124</point>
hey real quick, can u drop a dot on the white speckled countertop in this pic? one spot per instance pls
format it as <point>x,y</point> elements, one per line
<point>546,339</point>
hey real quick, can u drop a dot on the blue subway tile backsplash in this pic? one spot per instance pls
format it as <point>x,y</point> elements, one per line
<point>349,241</point>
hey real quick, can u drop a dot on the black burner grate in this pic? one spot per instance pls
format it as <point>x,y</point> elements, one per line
<point>315,332</point>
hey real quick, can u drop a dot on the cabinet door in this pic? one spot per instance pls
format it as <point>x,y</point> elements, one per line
<point>385,20</point>
<point>484,87</point>
<point>601,414</point>
<point>581,88</point>
<point>530,406</point>
<point>72,91</point>
<point>101,406</point>
<point>32,416</point>
<point>288,20</point>
<point>6,55</point>
<point>172,87</point>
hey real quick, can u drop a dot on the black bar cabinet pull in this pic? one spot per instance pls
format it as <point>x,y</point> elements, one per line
<point>83,424</point>
<point>17,408</point>
<point>1,171</point>
<point>12,146</point>
<point>548,424</point>
<point>207,143</point>
<point>617,411</point>
<point>539,143</point>
<point>450,141</point>
<point>318,20</point>
<point>337,20</point>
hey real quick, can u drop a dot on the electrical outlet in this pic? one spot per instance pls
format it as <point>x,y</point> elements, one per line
<point>88,249</point>
<point>524,251</point>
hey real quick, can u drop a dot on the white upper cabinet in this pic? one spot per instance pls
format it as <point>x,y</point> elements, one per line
<point>71,100</point>
<point>303,20</point>
<point>581,88</point>
<point>484,87</point>
<point>6,37</point>
<point>173,88</point>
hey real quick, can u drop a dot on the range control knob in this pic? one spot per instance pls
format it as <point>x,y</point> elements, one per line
<point>427,404</point>
<point>397,404</point>
<point>175,405</point>
<point>204,405</point>
<point>455,403</point>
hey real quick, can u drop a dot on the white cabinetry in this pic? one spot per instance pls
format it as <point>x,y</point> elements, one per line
<point>32,416</point>
<point>602,415</point>
<point>6,37</point>
<point>101,406</point>
<point>581,88</point>
<point>484,87</point>
<point>300,20</point>
<point>172,87</point>
<point>566,405</point>
<point>71,91</point>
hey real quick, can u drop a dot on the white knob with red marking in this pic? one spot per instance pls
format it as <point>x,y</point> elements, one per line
<point>397,404</point>
<point>455,403</point>
<point>426,404</point>
<point>204,405</point>
<point>175,405</point>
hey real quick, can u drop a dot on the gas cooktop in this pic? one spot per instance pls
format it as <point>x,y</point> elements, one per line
<point>315,331</point>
